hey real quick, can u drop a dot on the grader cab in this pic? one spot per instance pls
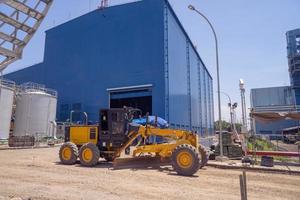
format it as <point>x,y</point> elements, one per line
<point>116,133</point>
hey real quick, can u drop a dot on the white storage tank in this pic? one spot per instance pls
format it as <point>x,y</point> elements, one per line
<point>7,89</point>
<point>35,111</point>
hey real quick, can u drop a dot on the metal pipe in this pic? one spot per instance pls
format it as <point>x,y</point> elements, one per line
<point>71,116</point>
<point>86,118</point>
<point>191,7</point>
<point>243,103</point>
<point>54,127</point>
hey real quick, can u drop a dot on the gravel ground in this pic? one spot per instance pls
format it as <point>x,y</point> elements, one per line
<point>37,174</point>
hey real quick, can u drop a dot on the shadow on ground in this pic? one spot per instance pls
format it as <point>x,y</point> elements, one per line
<point>136,164</point>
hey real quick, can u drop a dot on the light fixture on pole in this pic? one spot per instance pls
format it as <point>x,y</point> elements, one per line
<point>230,108</point>
<point>191,7</point>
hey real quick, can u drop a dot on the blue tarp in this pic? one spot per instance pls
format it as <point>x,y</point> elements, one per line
<point>161,123</point>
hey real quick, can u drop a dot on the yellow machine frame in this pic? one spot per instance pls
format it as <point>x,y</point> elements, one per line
<point>80,135</point>
<point>175,137</point>
<point>88,144</point>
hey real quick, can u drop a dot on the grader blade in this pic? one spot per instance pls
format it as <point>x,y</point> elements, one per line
<point>143,162</point>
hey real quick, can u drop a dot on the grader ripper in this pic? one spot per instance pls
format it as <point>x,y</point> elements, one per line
<point>116,133</point>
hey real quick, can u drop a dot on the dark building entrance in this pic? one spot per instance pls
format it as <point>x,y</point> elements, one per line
<point>135,97</point>
<point>143,103</point>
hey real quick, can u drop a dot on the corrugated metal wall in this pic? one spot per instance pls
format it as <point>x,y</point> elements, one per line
<point>274,96</point>
<point>128,45</point>
<point>275,99</point>
<point>190,91</point>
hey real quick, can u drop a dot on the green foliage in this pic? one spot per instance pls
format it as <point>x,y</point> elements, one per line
<point>261,144</point>
<point>227,126</point>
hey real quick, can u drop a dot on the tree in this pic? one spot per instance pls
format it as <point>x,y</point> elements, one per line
<point>225,125</point>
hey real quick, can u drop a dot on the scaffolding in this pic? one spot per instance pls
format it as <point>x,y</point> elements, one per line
<point>19,21</point>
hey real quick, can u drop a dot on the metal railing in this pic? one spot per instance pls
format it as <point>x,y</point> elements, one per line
<point>7,83</point>
<point>35,87</point>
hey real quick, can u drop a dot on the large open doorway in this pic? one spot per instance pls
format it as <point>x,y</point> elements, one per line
<point>136,97</point>
<point>143,103</point>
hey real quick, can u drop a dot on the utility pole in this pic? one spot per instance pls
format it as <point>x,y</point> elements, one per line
<point>230,109</point>
<point>243,105</point>
<point>191,7</point>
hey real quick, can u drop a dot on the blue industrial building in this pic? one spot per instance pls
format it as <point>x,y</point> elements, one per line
<point>274,99</point>
<point>136,54</point>
<point>280,99</point>
<point>293,54</point>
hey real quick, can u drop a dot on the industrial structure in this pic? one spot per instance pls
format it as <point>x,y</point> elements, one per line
<point>35,111</point>
<point>136,54</point>
<point>19,22</point>
<point>293,53</point>
<point>274,99</point>
<point>7,92</point>
<point>280,99</point>
<point>120,128</point>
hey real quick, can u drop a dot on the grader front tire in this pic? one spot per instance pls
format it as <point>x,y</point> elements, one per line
<point>89,155</point>
<point>203,155</point>
<point>68,153</point>
<point>185,160</point>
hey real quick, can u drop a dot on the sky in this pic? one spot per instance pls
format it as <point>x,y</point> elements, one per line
<point>251,35</point>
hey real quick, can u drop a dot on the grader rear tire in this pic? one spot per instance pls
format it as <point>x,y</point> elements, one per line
<point>185,160</point>
<point>68,153</point>
<point>89,155</point>
<point>203,155</point>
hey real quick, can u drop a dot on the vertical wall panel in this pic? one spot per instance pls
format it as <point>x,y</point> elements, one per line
<point>194,90</point>
<point>178,69</point>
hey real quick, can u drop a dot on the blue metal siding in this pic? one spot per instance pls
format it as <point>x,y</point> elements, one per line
<point>133,44</point>
<point>116,54</point>
<point>275,96</point>
<point>275,99</point>
<point>274,127</point>
<point>34,73</point>
<point>189,82</point>
<point>115,47</point>
<point>195,91</point>
<point>210,107</point>
<point>178,70</point>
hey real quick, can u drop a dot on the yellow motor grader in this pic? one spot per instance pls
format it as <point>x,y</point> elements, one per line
<point>116,133</point>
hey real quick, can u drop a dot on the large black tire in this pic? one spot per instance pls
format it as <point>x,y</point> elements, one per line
<point>185,160</point>
<point>68,153</point>
<point>89,155</point>
<point>203,156</point>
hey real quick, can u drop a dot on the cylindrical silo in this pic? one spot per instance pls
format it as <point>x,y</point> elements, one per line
<point>6,105</point>
<point>35,113</point>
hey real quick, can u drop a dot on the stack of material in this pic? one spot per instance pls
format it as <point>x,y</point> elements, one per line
<point>230,149</point>
<point>21,141</point>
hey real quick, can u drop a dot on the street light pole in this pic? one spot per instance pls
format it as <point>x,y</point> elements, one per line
<point>230,108</point>
<point>191,7</point>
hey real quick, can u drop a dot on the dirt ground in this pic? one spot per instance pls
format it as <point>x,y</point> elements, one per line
<point>37,174</point>
<point>286,147</point>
